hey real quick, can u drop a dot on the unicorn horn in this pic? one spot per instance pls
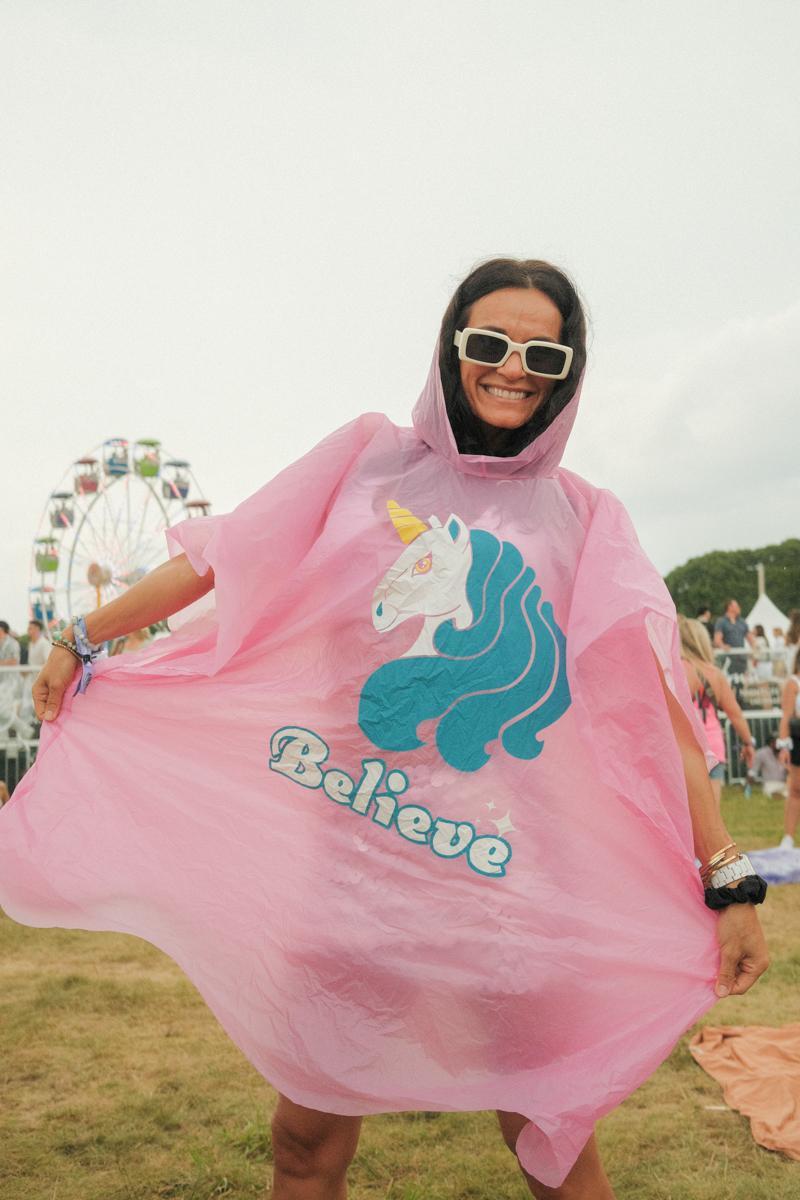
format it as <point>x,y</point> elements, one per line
<point>407,525</point>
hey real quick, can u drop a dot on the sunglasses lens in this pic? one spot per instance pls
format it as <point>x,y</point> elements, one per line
<point>546,360</point>
<point>485,347</point>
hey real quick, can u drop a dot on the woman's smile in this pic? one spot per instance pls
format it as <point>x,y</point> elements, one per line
<point>507,396</point>
<point>506,393</point>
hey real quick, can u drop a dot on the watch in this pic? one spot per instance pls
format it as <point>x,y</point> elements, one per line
<point>734,871</point>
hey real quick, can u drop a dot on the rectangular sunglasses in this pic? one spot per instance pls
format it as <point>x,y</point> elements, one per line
<point>547,359</point>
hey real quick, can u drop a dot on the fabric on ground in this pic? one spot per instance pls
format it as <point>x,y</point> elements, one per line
<point>758,1067</point>
<point>393,796</point>
<point>776,865</point>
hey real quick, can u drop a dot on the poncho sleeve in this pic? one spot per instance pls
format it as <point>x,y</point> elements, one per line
<point>271,532</point>
<point>621,614</point>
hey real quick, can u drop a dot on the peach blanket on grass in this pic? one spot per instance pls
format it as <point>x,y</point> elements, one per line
<point>759,1069</point>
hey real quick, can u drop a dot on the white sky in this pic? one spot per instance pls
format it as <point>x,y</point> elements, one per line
<point>234,226</point>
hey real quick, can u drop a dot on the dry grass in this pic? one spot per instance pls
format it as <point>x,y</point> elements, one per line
<point>118,1084</point>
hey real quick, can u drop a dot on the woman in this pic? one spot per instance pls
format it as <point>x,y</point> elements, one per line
<point>762,658</point>
<point>711,691</point>
<point>788,745</point>
<point>462,876</point>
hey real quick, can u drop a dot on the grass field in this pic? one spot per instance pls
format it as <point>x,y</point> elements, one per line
<point>116,1083</point>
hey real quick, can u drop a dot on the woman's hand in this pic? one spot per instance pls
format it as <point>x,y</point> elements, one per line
<point>51,682</point>
<point>744,955</point>
<point>748,754</point>
<point>784,758</point>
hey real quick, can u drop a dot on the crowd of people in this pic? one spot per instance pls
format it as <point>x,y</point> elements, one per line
<point>740,649</point>
<point>17,716</point>
<point>712,652</point>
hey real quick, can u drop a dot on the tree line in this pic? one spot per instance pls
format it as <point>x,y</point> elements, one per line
<point>714,577</point>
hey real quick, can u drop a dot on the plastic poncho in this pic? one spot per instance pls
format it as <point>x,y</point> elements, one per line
<point>406,806</point>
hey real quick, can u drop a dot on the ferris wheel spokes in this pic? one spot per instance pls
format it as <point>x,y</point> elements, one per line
<point>103,526</point>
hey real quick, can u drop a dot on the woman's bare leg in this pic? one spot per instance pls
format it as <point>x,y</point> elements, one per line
<point>792,809</point>
<point>311,1151</point>
<point>586,1181</point>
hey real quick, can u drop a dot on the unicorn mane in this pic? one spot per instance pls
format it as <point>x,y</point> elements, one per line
<point>499,674</point>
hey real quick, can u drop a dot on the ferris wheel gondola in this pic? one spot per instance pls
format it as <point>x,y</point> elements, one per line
<point>102,528</point>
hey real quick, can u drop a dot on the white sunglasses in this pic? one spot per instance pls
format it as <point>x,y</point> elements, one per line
<point>547,359</point>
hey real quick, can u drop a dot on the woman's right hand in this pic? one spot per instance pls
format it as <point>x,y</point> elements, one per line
<point>784,758</point>
<point>52,681</point>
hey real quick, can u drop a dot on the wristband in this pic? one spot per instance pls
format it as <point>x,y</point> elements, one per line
<point>784,744</point>
<point>87,650</point>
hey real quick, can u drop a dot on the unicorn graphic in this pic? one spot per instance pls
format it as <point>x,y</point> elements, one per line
<point>489,662</point>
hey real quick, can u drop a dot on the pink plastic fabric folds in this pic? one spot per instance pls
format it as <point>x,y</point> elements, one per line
<point>403,799</point>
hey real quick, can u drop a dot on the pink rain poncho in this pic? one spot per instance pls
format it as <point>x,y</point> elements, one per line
<point>405,804</point>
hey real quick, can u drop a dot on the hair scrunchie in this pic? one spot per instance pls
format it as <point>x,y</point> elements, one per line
<point>750,890</point>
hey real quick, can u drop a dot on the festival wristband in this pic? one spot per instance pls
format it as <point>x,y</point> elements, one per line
<point>87,650</point>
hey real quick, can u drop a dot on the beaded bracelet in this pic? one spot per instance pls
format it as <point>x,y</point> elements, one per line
<point>57,640</point>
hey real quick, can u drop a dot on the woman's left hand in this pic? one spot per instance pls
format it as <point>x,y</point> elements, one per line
<point>744,955</point>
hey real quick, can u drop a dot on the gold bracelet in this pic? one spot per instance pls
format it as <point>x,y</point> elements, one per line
<point>719,854</point>
<point>719,860</point>
<point>707,872</point>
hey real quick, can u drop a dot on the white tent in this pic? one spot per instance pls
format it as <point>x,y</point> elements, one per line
<point>764,612</point>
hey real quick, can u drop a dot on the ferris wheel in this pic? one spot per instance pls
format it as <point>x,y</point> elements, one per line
<point>102,528</point>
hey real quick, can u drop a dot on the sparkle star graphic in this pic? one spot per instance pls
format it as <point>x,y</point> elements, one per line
<point>504,824</point>
<point>491,806</point>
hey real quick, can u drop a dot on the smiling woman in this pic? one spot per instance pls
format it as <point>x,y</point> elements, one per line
<point>463,877</point>
<point>499,409</point>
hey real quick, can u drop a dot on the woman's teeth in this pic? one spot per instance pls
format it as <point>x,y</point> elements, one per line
<point>506,394</point>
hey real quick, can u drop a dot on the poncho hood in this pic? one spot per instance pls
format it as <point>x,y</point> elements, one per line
<point>540,457</point>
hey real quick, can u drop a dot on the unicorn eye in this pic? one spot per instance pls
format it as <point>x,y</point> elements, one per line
<point>423,565</point>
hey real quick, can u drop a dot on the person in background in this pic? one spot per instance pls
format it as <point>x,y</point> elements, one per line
<point>135,640</point>
<point>9,647</point>
<point>711,691</point>
<point>768,768</point>
<point>731,633</point>
<point>38,644</point>
<point>704,617</point>
<point>10,681</point>
<point>132,641</point>
<point>788,744</point>
<point>792,639</point>
<point>762,656</point>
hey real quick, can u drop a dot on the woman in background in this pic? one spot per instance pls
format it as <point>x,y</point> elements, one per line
<point>788,745</point>
<point>711,692</point>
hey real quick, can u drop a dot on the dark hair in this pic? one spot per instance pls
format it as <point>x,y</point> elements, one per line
<point>793,632</point>
<point>38,624</point>
<point>491,276</point>
<point>704,608</point>
<point>4,625</point>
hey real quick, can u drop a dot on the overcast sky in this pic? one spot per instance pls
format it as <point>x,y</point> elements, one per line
<point>234,226</point>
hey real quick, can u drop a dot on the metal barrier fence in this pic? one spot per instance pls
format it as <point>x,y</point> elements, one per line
<point>763,723</point>
<point>19,729</point>
<point>757,677</point>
